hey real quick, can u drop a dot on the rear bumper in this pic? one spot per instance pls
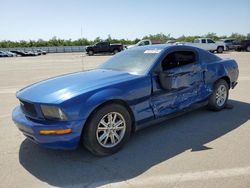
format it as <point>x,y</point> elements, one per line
<point>31,129</point>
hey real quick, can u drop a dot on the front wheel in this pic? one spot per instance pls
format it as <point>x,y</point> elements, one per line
<point>91,52</point>
<point>107,130</point>
<point>218,99</point>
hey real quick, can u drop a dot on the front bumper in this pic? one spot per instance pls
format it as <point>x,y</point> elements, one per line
<point>31,129</point>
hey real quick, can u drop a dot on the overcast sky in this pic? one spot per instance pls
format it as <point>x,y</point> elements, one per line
<point>33,19</point>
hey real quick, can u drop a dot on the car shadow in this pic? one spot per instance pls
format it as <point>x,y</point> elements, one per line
<point>145,149</point>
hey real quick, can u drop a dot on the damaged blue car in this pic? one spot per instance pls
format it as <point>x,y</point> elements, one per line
<point>140,86</point>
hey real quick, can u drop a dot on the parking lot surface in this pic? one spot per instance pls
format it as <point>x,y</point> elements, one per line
<point>199,149</point>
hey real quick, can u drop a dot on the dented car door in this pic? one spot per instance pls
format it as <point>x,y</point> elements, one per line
<point>178,84</point>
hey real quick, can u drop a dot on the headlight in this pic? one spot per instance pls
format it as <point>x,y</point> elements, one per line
<point>53,112</point>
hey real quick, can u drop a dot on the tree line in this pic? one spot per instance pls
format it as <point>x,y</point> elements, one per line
<point>84,41</point>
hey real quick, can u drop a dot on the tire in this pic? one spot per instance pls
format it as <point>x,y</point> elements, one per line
<point>115,51</point>
<point>218,100</point>
<point>220,50</point>
<point>91,52</point>
<point>97,137</point>
<point>248,48</point>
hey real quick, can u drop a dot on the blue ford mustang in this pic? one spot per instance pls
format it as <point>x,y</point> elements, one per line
<point>137,87</point>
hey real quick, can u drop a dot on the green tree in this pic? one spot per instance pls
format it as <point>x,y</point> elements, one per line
<point>237,36</point>
<point>212,36</point>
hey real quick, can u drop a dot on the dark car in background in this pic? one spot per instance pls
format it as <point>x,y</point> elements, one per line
<point>19,52</point>
<point>243,45</point>
<point>104,47</point>
<point>23,53</point>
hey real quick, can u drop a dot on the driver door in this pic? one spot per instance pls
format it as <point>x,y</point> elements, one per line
<point>178,84</point>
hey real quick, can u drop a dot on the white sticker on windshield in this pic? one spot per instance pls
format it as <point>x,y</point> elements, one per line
<point>155,51</point>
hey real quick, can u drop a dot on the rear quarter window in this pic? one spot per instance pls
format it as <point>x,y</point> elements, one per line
<point>208,57</point>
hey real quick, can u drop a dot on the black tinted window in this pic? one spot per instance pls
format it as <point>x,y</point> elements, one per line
<point>102,43</point>
<point>179,58</point>
<point>203,41</point>
<point>210,41</point>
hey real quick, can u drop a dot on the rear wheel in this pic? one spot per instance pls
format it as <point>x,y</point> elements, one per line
<point>218,99</point>
<point>220,49</point>
<point>107,130</point>
<point>248,49</point>
<point>115,51</point>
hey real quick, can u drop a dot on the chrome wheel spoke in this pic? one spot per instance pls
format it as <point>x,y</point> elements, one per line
<point>104,123</point>
<point>114,118</point>
<point>110,118</point>
<point>102,128</point>
<point>104,135</point>
<point>112,137</point>
<point>106,139</point>
<point>116,135</point>
<point>117,124</point>
<point>119,128</point>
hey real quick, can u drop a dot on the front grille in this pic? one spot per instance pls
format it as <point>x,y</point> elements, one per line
<point>28,109</point>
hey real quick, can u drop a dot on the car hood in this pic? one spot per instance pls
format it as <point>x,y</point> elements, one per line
<point>61,88</point>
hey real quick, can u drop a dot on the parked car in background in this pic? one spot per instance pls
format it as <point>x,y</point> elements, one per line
<point>100,108</point>
<point>19,52</point>
<point>208,44</point>
<point>42,52</point>
<point>243,45</point>
<point>32,53</point>
<point>7,54</point>
<point>11,54</point>
<point>173,41</point>
<point>104,47</point>
<point>3,54</point>
<point>144,43</point>
<point>229,43</point>
<point>23,53</point>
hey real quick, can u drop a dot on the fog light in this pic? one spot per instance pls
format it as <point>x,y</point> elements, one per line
<point>61,131</point>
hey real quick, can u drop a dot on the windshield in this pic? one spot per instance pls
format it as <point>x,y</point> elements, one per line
<point>136,61</point>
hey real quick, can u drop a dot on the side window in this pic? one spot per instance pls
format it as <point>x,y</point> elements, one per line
<point>146,43</point>
<point>141,44</point>
<point>203,41</point>
<point>99,44</point>
<point>178,59</point>
<point>104,43</point>
<point>210,41</point>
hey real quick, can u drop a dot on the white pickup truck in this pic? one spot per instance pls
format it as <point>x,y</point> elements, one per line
<point>208,44</point>
<point>143,43</point>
